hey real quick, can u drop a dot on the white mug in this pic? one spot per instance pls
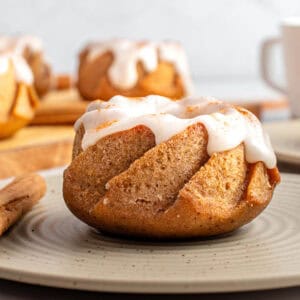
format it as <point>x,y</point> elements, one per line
<point>290,41</point>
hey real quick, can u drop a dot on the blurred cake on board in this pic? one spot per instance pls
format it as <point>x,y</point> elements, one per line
<point>18,100</point>
<point>31,49</point>
<point>133,69</point>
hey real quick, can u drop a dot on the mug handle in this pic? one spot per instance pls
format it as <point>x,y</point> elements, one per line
<point>265,63</point>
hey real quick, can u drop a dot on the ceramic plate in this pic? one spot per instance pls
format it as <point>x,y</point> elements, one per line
<point>285,137</point>
<point>51,247</point>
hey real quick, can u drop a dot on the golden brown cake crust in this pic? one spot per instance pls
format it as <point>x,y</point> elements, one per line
<point>41,70</point>
<point>93,82</point>
<point>124,185</point>
<point>84,184</point>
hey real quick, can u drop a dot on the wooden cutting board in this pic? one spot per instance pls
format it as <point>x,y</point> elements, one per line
<point>60,108</point>
<point>36,148</point>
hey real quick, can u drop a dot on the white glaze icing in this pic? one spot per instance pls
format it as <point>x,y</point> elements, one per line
<point>17,44</point>
<point>12,49</point>
<point>22,70</point>
<point>123,71</point>
<point>4,64</point>
<point>226,126</point>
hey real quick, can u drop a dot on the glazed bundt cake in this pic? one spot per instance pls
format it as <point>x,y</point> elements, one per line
<point>133,69</point>
<point>18,100</point>
<point>152,167</point>
<point>31,48</point>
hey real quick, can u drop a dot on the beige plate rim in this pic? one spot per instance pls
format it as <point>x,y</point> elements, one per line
<point>151,286</point>
<point>167,285</point>
<point>277,131</point>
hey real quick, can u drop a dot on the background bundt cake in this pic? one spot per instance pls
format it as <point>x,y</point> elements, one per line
<point>31,48</point>
<point>18,99</point>
<point>157,168</point>
<point>133,69</point>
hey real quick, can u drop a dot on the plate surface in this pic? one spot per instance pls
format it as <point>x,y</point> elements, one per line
<point>51,247</point>
<point>285,137</point>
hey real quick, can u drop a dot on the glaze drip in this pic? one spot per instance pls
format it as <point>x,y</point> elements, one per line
<point>12,49</point>
<point>226,125</point>
<point>22,70</point>
<point>18,44</point>
<point>123,71</point>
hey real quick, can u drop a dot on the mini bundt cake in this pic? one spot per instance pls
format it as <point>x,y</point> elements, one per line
<point>152,167</point>
<point>133,69</point>
<point>18,100</point>
<point>31,48</point>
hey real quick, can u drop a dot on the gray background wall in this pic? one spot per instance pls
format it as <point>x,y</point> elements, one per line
<point>222,37</point>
